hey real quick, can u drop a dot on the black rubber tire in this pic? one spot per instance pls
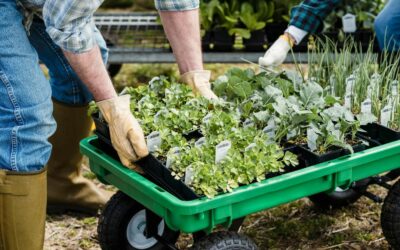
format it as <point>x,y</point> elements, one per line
<point>390,216</point>
<point>114,220</point>
<point>225,240</point>
<point>335,199</point>
<point>341,199</point>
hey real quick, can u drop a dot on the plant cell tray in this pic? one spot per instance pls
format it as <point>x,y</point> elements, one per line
<point>203,214</point>
<point>378,133</point>
<point>311,158</point>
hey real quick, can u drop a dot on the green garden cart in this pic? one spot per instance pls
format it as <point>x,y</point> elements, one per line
<point>146,214</point>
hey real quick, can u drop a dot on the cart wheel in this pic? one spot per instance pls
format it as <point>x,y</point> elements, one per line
<point>337,199</point>
<point>390,216</point>
<point>225,241</point>
<point>122,225</point>
<point>341,197</point>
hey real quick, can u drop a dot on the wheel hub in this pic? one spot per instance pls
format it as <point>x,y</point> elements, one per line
<point>135,232</point>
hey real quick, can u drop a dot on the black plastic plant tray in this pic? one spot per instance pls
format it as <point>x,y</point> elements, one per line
<point>288,169</point>
<point>154,169</point>
<point>378,133</point>
<point>310,158</point>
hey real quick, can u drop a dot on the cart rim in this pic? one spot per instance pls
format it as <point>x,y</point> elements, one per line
<point>136,228</point>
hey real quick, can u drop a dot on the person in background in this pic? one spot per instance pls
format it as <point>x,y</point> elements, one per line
<point>307,18</point>
<point>62,35</point>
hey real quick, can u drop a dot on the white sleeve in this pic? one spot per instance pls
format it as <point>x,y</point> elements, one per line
<point>296,33</point>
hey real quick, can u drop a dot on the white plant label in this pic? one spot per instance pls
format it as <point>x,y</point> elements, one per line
<point>349,23</point>
<point>395,88</point>
<point>270,130</point>
<point>312,139</point>
<point>189,173</point>
<point>151,83</point>
<point>347,102</point>
<point>332,81</point>
<point>158,114</point>
<point>248,123</point>
<point>200,142</point>
<point>386,114</point>
<point>153,141</point>
<point>350,82</point>
<point>221,150</point>
<point>172,152</point>
<point>141,101</point>
<point>252,145</point>
<point>366,106</point>
<point>207,118</point>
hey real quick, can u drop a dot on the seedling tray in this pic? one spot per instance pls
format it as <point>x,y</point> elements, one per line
<point>205,214</point>
<point>154,169</point>
<point>312,158</point>
<point>377,133</point>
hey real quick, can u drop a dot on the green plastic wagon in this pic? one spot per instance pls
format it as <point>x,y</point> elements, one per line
<point>142,215</point>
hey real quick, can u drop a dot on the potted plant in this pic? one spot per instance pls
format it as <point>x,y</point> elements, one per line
<point>226,20</point>
<point>254,18</point>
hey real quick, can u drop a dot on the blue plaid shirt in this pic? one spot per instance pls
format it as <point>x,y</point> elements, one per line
<point>310,14</point>
<point>70,24</point>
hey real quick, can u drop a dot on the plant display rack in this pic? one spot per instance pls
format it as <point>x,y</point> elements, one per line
<point>139,38</point>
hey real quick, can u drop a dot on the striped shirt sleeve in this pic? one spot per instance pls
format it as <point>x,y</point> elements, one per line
<point>70,23</point>
<point>177,5</point>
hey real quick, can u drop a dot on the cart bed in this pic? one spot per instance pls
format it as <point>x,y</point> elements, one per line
<point>205,214</point>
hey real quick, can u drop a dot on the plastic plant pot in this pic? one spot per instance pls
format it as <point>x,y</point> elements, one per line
<point>274,30</point>
<point>312,158</point>
<point>379,133</point>
<point>206,41</point>
<point>256,42</point>
<point>222,40</point>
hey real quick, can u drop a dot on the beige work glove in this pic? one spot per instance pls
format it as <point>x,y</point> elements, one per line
<point>199,81</point>
<point>276,55</point>
<point>126,134</point>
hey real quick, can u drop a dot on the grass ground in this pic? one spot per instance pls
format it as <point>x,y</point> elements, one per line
<point>298,225</point>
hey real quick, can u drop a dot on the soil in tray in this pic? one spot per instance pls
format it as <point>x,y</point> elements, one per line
<point>377,134</point>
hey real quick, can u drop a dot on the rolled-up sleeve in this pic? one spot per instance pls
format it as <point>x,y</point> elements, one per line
<point>310,14</point>
<point>177,5</point>
<point>70,24</point>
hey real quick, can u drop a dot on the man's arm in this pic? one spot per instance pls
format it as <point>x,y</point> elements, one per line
<point>305,18</point>
<point>69,23</point>
<point>91,70</point>
<point>182,26</point>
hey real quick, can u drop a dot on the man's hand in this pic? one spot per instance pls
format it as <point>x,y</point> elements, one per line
<point>276,55</point>
<point>199,81</point>
<point>126,134</point>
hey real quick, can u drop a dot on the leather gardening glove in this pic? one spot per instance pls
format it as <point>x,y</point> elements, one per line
<point>126,134</point>
<point>199,81</point>
<point>276,55</point>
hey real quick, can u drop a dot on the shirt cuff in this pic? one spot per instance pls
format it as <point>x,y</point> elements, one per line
<point>176,5</point>
<point>77,40</point>
<point>296,33</point>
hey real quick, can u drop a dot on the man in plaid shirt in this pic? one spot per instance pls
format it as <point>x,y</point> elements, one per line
<point>308,18</point>
<point>62,35</point>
